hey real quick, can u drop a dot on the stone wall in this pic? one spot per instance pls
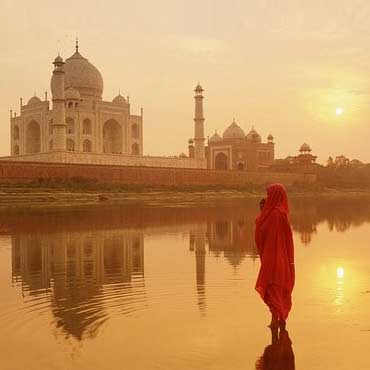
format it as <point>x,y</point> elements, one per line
<point>17,172</point>
<point>108,159</point>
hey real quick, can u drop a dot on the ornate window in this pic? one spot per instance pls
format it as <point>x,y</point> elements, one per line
<point>70,125</point>
<point>86,127</point>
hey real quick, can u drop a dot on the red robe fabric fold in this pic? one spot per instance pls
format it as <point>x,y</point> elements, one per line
<point>274,241</point>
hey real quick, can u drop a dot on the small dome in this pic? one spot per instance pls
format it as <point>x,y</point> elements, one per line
<point>215,138</point>
<point>58,60</point>
<point>34,100</point>
<point>253,136</point>
<point>270,138</point>
<point>183,155</point>
<point>191,141</point>
<point>198,88</point>
<point>233,132</point>
<point>305,148</point>
<point>72,94</point>
<point>119,100</point>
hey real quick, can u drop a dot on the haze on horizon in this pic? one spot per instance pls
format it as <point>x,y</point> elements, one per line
<point>286,67</point>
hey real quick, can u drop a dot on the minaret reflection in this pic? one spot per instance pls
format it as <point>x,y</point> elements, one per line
<point>198,245</point>
<point>80,274</point>
<point>233,239</point>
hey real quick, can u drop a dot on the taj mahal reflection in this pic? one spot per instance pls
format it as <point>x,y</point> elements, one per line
<point>89,264</point>
<point>77,271</point>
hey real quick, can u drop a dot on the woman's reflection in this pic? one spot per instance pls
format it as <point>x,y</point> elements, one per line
<point>279,354</point>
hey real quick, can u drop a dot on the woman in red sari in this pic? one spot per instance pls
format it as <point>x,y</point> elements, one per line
<point>274,241</point>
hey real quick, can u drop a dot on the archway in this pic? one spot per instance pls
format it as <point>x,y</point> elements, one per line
<point>16,150</point>
<point>51,145</point>
<point>112,137</point>
<point>70,125</point>
<point>221,161</point>
<point>135,131</point>
<point>135,149</point>
<point>86,127</point>
<point>86,146</point>
<point>51,127</point>
<point>70,145</point>
<point>33,138</point>
<point>16,133</point>
<point>240,166</point>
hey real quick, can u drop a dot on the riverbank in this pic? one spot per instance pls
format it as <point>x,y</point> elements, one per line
<point>33,196</point>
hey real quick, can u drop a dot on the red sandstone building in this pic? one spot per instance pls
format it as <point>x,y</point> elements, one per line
<point>237,151</point>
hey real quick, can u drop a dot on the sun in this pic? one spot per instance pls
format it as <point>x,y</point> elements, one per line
<point>339,111</point>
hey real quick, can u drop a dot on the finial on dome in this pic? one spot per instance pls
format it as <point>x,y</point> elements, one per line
<point>76,44</point>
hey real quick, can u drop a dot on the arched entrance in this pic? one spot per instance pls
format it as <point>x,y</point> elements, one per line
<point>86,146</point>
<point>16,133</point>
<point>221,161</point>
<point>240,166</point>
<point>70,125</point>
<point>86,127</point>
<point>33,138</point>
<point>16,150</point>
<point>135,149</point>
<point>70,145</point>
<point>135,131</point>
<point>112,137</point>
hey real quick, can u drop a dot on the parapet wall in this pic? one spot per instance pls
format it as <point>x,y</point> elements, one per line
<point>21,172</point>
<point>108,159</point>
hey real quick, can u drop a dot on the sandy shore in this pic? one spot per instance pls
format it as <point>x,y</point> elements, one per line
<point>24,197</point>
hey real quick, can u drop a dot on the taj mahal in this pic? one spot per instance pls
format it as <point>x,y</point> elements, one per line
<point>78,126</point>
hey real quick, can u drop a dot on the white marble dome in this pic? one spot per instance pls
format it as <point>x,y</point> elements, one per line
<point>83,76</point>
<point>119,100</point>
<point>233,132</point>
<point>34,100</point>
<point>72,94</point>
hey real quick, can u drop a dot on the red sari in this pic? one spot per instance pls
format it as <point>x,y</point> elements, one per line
<point>275,246</point>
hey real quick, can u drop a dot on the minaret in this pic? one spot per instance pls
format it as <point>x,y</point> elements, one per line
<point>199,124</point>
<point>59,114</point>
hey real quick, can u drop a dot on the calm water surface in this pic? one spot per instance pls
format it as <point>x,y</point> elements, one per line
<point>142,287</point>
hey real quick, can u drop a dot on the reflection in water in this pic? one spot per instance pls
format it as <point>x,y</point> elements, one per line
<point>85,267</point>
<point>279,354</point>
<point>78,272</point>
<point>87,262</point>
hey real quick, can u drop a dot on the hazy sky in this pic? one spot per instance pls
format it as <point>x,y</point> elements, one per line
<point>282,66</point>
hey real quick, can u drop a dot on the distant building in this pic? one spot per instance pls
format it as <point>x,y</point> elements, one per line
<point>237,151</point>
<point>305,161</point>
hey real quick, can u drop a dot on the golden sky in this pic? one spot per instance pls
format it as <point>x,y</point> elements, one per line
<point>284,66</point>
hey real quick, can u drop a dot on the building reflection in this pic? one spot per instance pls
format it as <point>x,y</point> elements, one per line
<point>76,271</point>
<point>87,262</point>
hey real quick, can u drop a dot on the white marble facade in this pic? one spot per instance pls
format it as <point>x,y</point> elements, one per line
<point>92,125</point>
